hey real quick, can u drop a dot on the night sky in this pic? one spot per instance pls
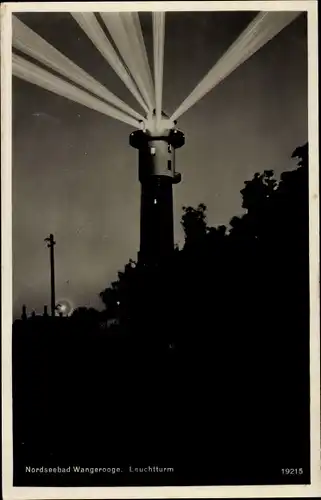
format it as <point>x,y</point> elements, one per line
<point>75,175</point>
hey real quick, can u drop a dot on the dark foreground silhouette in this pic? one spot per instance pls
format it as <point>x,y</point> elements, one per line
<point>200,365</point>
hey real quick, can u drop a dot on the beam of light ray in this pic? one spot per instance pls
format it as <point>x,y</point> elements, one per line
<point>133,28</point>
<point>33,74</point>
<point>141,41</point>
<point>114,24</point>
<point>158,42</point>
<point>253,45</point>
<point>257,34</point>
<point>260,31</point>
<point>89,24</point>
<point>30,43</point>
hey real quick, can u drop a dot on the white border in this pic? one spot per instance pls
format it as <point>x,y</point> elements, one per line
<point>17,493</point>
<point>160,6</point>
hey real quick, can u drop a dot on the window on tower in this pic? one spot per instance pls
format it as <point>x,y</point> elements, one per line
<point>153,151</point>
<point>169,164</point>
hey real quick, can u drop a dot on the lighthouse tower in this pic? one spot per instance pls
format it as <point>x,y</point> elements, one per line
<point>156,142</point>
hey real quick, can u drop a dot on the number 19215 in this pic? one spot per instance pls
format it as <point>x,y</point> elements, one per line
<point>292,472</point>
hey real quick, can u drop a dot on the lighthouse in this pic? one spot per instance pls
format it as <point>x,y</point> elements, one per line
<point>156,142</point>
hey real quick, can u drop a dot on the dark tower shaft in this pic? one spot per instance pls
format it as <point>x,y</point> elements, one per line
<point>51,244</point>
<point>156,219</point>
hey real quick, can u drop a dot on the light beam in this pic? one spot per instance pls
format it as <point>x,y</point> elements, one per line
<point>133,28</point>
<point>30,43</point>
<point>261,30</point>
<point>158,41</point>
<point>89,24</point>
<point>34,74</point>
<point>114,23</point>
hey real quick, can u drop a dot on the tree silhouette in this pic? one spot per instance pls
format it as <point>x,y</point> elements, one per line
<point>84,314</point>
<point>194,224</point>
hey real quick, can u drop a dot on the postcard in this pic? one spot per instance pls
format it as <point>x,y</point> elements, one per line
<point>160,255</point>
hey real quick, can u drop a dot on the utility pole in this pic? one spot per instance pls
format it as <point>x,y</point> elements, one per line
<point>50,245</point>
